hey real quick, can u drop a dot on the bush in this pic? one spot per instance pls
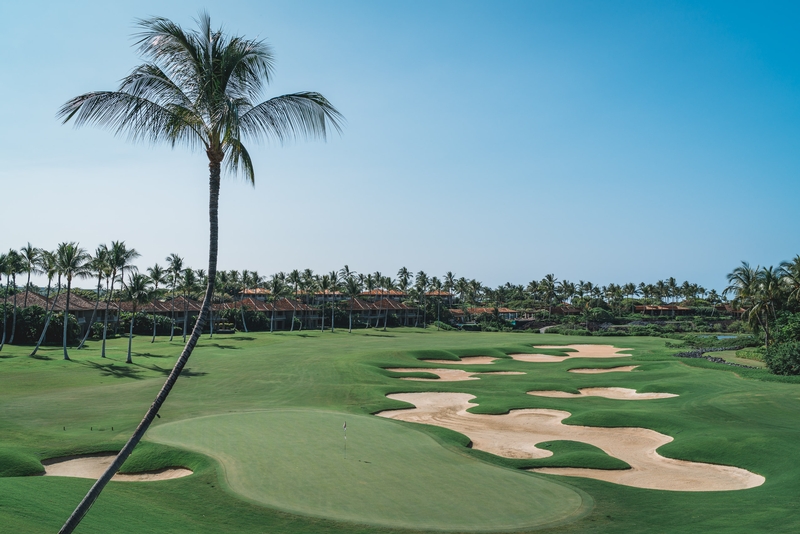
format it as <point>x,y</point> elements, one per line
<point>783,358</point>
<point>443,326</point>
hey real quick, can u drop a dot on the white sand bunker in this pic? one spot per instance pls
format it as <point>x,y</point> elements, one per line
<point>515,435</point>
<point>607,393</point>
<point>466,360</point>
<point>445,375</point>
<point>581,351</point>
<point>94,465</point>
<point>588,371</point>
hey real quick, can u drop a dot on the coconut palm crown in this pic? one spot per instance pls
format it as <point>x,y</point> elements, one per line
<point>197,88</point>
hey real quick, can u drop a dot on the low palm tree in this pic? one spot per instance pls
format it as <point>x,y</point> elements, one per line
<point>138,292</point>
<point>30,260</point>
<point>352,288</point>
<point>174,267</point>
<point>188,286</point>
<point>4,272</point>
<point>120,258</point>
<point>157,276</point>
<point>72,262</point>
<point>199,88</point>
<point>49,265</point>
<point>98,265</point>
<point>16,265</point>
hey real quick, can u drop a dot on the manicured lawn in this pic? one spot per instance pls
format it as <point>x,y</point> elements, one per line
<point>265,391</point>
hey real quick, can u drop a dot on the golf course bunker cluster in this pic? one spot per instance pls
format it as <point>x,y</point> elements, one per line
<point>94,465</point>
<point>515,435</point>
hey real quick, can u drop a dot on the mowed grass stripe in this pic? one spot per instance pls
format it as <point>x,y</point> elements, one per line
<point>393,476</point>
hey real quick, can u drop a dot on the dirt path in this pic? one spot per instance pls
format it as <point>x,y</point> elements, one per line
<point>93,466</point>
<point>515,435</point>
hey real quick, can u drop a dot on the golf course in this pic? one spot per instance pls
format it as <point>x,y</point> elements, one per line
<point>259,421</point>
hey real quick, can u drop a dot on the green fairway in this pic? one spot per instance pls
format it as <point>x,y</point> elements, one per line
<point>295,383</point>
<point>393,475</point>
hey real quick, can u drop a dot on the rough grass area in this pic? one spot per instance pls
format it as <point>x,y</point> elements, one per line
<point>50,407</point>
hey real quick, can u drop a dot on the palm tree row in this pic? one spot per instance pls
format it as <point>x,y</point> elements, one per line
<point>763,291</point>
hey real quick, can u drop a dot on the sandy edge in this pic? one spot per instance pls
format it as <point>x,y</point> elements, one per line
<point>445,375</point>
<point>580,351</point>
<point>607,393</point>
<point>92,466</point>
<point>590,371</point>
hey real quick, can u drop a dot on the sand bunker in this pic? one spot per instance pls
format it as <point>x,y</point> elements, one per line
<point>607,393</point>
<point>588,371</point>
<point>581,351</point>
<point>445,375</point>
<point>515,435</point>
<point>93,466</point>
<point>466,360</point>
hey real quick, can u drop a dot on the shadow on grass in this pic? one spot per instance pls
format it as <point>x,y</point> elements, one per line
<point>151,355</point>
<point>380,335</point>
<point>187,371</point>
<point>223,347</point>
<point>115,370</point>
<point>243,338</point>
<point>41,357</point>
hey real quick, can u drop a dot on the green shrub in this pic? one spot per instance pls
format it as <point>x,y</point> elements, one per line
<point>443,326</point>
<point>783,358</point>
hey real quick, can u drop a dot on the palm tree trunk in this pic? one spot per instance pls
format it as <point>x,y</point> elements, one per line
<point>244,323</point>
<point>94,313</point>
<point>14,320</point>
<point>185,315</point>
<point>172,322</point>
<point>47,319</point>
<point>130,335</point>
<point>66,318</point>
<point>350,326</point>
<point>333,318</point>
<point>126,451</point>
<point>154,322</point>
<point>27,287</point>
<point>5,307</point>
<point>294,312</point>
<point>105,318</point>
<point>323,314</point>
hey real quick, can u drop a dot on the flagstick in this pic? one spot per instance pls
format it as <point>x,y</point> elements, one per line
<point>345,440</point>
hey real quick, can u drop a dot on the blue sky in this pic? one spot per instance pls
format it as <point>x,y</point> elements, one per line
<point>603,141</point>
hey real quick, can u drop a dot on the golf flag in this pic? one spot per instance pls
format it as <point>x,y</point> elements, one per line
<point>344,427</point>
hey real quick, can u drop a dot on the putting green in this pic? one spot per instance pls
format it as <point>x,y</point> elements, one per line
<point>393,475</point>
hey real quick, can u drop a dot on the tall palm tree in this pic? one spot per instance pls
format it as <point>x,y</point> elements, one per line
<point>30,259</point>
<point>198,88</point>
<point>790,271</point>
<point>97,265</point>
<point>378,277</point>
<point>50,267</point>
<point>15,266</point>
<point>120,258</point>
<point>245,286</point>
<point>188,286</point>
<point>421,283</point>
<point>277,290</point>
<point>138,292</point>
<point>4,272</point>
<point>174,267</point>
<point>158,276</point>
<point>352,288</point>
<point>324,285</point>
<point>72,261</point>
<point>294,279</point>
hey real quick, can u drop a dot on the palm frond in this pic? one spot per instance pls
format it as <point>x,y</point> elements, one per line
<point>294,115</point>
<point>141,118</point>
<point>237,158</point>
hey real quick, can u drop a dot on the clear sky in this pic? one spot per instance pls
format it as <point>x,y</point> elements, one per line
<point>604,141</point>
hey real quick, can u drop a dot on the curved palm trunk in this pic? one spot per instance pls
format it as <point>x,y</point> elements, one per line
<point>66,318</point>
<point>47,320</point>
<point>126,451</point>
<point>244,323</point>
<point>105,317</point>
<point>185,315</point>
<point>294,313</point>
<point>172,325</point>
<point>5,308</point>
<point>350,326</point>
<point>130,334</point>
<point>94,314</point>
<point>386,317</point>
<point>14,320</point>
